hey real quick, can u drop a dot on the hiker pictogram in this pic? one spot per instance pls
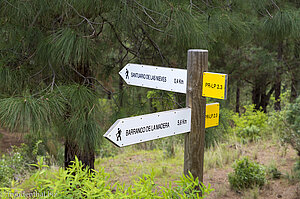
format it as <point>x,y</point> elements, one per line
<point>119,134</point>
<point>127,74</point>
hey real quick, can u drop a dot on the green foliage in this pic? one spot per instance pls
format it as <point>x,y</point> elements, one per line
<point>282,25</point>
<point>286,124</point>
<point>250,125</point>
<point>247,174</point>
<point>12,167</point>
<point>29,113</point>
<point>44,144</point>
<point>216,134</point>
<point>161,100</point>
<point>297,170</point>
<point>107,149</point>
<point>293,119</point>
<point>219,156</point>
<point>294,175</point>
<point>79,182</point>
<point>81,123</point>
<point>187,187</point>
<point>273,172</point>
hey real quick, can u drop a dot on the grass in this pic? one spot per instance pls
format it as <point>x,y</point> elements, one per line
<point>219,156</point>
<point>252,193</point>
<point>133,163</point>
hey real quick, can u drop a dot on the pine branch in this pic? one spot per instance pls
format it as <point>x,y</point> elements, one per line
<point>118,37</point>
<point>86,19</point>
<point>163,58</point>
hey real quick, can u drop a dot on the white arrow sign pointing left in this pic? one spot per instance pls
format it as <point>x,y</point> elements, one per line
<point>153,126</point>
<point>163,78</point>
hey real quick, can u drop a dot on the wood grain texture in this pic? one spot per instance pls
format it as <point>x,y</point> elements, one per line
<point>197,63</point>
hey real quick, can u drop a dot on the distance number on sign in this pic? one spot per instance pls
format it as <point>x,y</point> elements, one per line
<point>181,122</point>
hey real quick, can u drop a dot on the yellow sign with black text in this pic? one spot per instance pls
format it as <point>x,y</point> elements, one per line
<point>212,115</point>
<point>214,85</point>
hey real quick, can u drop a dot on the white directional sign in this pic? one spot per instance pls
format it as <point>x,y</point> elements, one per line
<point>163,78</point>
<point>143,128</point>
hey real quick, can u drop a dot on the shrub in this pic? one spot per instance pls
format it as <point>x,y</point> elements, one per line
<point>79,182</point>
<point>12,166</point>
<point>286,125</point>
<point>297,170</point>
<point>216,134</point>
<point>251,124</point>
<point>273,172</point>
<point>246,175</point>
<point>293,119</point>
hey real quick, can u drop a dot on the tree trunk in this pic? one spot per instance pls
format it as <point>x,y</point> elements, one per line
<point>277,106</point>
<point>84,154</point>
<point>256,93</point>
<point>295,88</point>
<point>263,99</point>
<point>237,101</point>
<point>121,83</point>
<point>260,97</point>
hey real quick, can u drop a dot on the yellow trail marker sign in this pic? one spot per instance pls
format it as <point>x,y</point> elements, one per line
<point>212,115</point>
<point>214,85</point>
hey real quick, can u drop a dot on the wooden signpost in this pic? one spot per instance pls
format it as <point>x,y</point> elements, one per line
<point>197,63</point>
<point>197,83</point>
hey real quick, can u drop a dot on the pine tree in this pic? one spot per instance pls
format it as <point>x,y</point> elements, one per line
<point>55,56</point>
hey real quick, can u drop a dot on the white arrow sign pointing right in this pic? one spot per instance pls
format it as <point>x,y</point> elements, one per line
<point>163,78</point>
<point>143,128</point>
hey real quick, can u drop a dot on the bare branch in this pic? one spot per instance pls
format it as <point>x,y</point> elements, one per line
<point>37,72</point>
<point>163,58</point>
<point>35,18</point>
<point>269,14</point>
<point>145,8</point>
<point>193,5</point>
<point>275,5</point>
<point>159,30</point>
<point>117,36</point>
<point>53,76</point>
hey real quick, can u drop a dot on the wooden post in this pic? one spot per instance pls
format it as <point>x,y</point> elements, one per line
<point>197,63</point>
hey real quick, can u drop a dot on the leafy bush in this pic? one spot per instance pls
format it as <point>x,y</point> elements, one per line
<point>79,182</point>
<point>246,174</point>
<point>251,124</point>
<point>293,119</point>
<point>12,166</point>
<point>296,170</point>
<point>286,125</point>
<point>294,176</point>
<point>216,134</point>
<point>250,132</point>
<point>273,172</point>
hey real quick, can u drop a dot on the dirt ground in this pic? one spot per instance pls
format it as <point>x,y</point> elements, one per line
<point>8,139</point>
<point>266,154</point>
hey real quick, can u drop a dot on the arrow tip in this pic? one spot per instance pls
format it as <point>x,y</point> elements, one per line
<point>124,73</point>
